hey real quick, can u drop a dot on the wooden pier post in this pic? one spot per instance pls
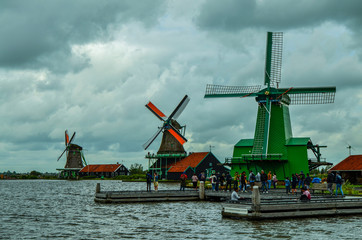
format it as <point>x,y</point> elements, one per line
<point>255,200</point>
<point>98,188</point>
<point>202,190</point>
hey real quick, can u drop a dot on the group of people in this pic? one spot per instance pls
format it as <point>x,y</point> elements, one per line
<point>337,179</point>
<point>242,181</point>
<point>301,180</point>
<point>150,179</point>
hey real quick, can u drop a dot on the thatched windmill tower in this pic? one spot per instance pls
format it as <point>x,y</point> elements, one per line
<point>75,158</point>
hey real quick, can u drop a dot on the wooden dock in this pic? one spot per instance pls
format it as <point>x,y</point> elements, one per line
<point>188,195</point>
<point>144,196</point>
<point>259,208</point>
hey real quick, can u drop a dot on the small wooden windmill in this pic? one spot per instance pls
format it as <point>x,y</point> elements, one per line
<point>273,147</point>
<point>75,158</point>
<point>171,148</point>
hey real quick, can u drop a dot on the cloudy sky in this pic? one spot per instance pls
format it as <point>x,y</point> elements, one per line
<point>91,66</point>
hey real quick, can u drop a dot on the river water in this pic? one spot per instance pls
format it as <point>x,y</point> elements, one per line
<point>59,209</point>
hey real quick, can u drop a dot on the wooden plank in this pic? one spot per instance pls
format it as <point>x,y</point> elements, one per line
<point>303,206</point>
<point>162,195</point>
<point>136,200</point>
<point>292,214</point>
<point>239,211</point>
<point>313,213</point>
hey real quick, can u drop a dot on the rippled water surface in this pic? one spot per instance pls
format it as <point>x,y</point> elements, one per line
<point>36,209</point>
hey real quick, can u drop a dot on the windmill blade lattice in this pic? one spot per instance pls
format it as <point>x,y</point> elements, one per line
<point>180,107</point>
<point>67,143</point>
<point>317,95</point>
<point>230,91</point>
<point>273,60</point>
<point>150,141</point>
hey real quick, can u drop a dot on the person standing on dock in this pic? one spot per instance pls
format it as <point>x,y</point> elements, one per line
<point>301,179</point>
<point>257,177</point>
<point>264,180</point>
<point>251,179</point>
<point>294,183</point>
<point>155,181</point>
<point>287,185</point>
<point>217,183</point>
<point>213,179</point>
<point>228,181</point>
<point>275,181</point>
<point>222,180</point>
<point>339,182</point>
<point>236,179</point>
<point>330,181</point>
<point>149,180</point>
<point>194,181</point>
<point>269,180</point>
<point>243,181</point>
<point>183,181</point>
<point>202,177</point>
<point>307,181</point>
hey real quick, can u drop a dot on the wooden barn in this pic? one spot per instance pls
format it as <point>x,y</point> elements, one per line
<point>196,163</point>
<point>104,170</point>
<point>350,169</point>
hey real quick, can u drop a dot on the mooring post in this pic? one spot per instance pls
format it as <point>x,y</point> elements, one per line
<point>98,188</point>
<point>255,200</point>
<point>202,190</point>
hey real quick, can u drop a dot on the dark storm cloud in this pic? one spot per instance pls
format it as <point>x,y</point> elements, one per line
<point>234,15</point>
<point>39,34</point>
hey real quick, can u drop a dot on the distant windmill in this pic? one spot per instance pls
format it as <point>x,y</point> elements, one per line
<point>74,154</point>
<point>172,139</point>
<point>273,146</point>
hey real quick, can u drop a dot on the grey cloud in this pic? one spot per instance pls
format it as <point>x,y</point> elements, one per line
<point>235,15</point>
<point>34,33</point>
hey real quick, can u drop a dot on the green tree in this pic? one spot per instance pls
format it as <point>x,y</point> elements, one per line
<point>136,169</point>
<point>35,173</point>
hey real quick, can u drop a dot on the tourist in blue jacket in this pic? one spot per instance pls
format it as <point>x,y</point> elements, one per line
<point>287,185</point>
<point>339,182</point>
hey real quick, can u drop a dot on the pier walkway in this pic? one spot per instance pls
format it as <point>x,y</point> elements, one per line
<point>253,205</point>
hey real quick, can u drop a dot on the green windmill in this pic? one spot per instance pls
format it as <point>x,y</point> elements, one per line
<point>274,148</point>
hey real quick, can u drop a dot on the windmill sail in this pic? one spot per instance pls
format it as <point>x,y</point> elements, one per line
<point>273,60</point>
<point>155,111</point>
<point>213,91</point>
<point>66,138</point>
<point>180,107</point>
<point>67,143</point>
<point>316,95</point>
<point>150,141</point>
<point>170,127</point>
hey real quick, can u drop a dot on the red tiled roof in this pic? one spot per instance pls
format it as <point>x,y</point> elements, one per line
<point>351,163</point>
<point>190,161</point>
<point>101,168</point>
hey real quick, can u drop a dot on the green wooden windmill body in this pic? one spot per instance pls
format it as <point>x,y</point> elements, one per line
<point>273,147</point>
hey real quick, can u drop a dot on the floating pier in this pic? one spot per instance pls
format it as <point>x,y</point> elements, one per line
<point>290,208</point>
<point>145,196</point>
<point>256,206</point>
